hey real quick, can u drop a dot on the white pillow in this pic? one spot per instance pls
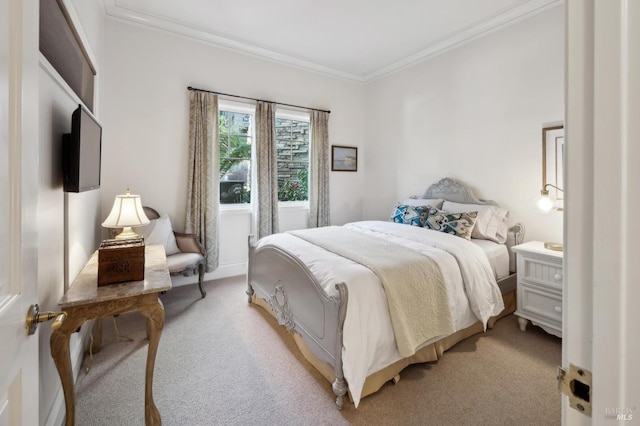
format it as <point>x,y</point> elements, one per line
<point>492,223</point>
<point>418,202</point>
<point>159,231</point>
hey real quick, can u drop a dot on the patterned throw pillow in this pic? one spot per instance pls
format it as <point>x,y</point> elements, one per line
<point>410,215</point>
<point>459,224</point>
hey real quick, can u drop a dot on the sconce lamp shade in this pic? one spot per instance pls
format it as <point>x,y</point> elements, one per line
<point>544,203</point>
<point>127,211</point>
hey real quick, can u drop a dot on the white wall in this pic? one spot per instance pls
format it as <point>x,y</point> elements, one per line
<point>474,114</point>
<point>55,208</point>
<point>145,123</point>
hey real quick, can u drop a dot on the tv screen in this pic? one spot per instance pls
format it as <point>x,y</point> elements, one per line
<point>81,152</point>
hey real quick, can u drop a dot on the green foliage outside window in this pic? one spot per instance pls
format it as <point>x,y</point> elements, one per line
<point>235,157</point>
<point>238,154</point>
<point>235,145</point>
<point>295,189</point>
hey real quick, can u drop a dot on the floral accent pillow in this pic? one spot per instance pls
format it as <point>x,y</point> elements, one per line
<point>458,224</point>
<point>410,215</point>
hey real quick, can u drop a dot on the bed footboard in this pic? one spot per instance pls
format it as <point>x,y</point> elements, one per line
<point>300,304</point>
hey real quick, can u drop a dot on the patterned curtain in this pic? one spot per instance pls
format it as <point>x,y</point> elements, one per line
<point>267,169</point>
<point>204,167</point>
<point>319,170</point>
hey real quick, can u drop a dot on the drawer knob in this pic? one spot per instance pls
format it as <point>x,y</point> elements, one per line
<point>558,309</point>
<point>557,277</point>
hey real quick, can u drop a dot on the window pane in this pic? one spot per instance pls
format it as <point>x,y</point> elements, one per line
<point>235,157</point>
<point>224,145</point>
<point>292,145</point>
<point>239,123</point>
<point>235,186</point>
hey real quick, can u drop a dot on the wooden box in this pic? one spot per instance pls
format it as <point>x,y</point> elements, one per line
<point>120,260</point>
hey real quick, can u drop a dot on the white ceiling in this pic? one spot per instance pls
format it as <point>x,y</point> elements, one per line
<point>359,40</point>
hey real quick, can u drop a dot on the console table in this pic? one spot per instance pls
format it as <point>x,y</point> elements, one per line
<point>85,300</point>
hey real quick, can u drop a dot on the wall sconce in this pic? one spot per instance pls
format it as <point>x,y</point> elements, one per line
<point>552,167</point>
<point>127,211</point>
<point>545,203</point>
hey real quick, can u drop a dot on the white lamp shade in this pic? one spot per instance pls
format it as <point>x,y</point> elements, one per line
<point>545,204</point>
<point>127,211</point>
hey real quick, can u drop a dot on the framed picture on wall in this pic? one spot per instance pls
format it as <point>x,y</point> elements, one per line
<point>344,158</point>
<point>552,161</point>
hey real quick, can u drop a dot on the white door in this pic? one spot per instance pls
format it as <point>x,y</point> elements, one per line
<point>18,203</point>
<point>602,237</point>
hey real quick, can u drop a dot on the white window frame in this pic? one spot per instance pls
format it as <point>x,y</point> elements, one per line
<point>250,108</point>
<point>242,108</point>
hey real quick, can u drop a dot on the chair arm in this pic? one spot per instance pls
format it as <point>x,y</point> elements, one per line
<point>187,243</point>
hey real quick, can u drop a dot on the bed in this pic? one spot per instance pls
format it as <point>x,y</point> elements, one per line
<point>358,320</point>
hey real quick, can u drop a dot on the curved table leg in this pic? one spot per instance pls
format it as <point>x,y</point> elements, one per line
<point>154,312</point>
<point>203,293</point>
<point>96,346</point>
<point>59,343</point>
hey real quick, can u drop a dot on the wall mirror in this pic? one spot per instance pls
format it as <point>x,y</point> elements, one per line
<point>552,161</point>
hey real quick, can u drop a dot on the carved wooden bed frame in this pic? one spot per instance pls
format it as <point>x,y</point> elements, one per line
<point>279,282</point>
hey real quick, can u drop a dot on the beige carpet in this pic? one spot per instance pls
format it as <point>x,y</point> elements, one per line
<point>224,362</point>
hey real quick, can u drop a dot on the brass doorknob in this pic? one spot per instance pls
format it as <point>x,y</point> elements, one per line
<point>34,317</point>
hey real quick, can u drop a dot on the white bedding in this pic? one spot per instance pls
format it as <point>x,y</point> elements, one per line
<point>369,343</point>
<point>498,256</point>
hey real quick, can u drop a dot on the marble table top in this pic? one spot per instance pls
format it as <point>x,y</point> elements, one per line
<point>84,288</point>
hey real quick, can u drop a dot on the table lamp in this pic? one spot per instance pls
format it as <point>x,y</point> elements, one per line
<point>127,211</point>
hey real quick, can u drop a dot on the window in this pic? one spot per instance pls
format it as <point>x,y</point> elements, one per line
<point>236,140</point>
<point>236,136</point>
<point>292,146</point>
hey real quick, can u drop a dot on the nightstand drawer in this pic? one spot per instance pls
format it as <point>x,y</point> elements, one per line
<point>540,272</point>
<point>540,303</point>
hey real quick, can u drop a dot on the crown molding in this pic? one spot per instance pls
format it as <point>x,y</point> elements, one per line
<point>119,13</point>
<point>530,8</point>
<point>527,10</point>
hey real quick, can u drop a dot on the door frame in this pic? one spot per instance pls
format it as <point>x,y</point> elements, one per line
<point>19,379</point>
<point>601,320</point>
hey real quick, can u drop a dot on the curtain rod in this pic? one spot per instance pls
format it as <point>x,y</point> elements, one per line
<point>255,99</point>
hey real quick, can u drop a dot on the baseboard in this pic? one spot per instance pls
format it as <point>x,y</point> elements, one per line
<point>77,344</point>
<point>223,271</point>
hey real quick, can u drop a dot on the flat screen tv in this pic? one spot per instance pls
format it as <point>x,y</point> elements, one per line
<point>81,152</point>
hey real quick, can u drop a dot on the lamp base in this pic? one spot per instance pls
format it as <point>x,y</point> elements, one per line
<point>126,234</point>
<point>553,246</point>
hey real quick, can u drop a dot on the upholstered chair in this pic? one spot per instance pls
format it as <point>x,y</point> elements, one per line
<point>185,255</point>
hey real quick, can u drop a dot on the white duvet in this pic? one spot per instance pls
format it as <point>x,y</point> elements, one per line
<point>369,343</point>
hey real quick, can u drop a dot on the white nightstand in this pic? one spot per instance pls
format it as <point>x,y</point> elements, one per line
<point>539,287</point>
